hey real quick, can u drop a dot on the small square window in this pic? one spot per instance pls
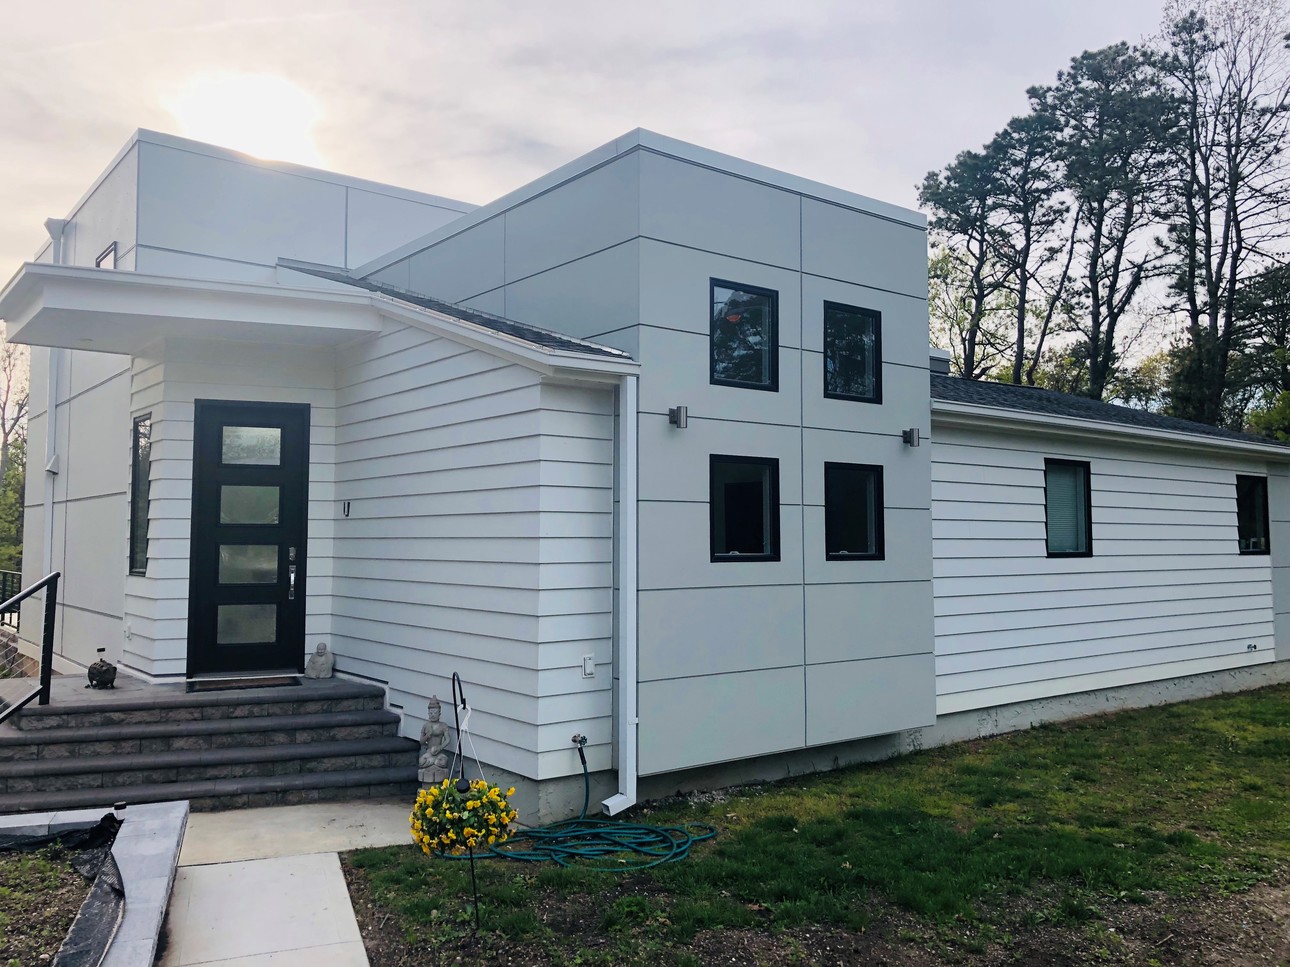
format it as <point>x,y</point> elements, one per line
<point>1252,515</point>
<point>744,509</point>
<point>140,467</point>
<point>1067,499</point>
<point>745,336</point>
<point>107,258</point>
<point>853,512</point>
<point>852,353</point>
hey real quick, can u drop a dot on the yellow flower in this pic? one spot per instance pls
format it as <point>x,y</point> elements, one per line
<point>510,791</point>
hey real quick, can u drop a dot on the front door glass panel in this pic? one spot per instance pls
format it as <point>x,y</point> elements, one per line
<point>253,446</point>
<point>248,505</point>
<point>246,624</point>
<point>248,563</point>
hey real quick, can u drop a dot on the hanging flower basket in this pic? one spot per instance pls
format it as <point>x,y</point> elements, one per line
<point>449,819</point>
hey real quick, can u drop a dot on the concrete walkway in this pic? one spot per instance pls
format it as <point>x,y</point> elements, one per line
<point>264,886</point>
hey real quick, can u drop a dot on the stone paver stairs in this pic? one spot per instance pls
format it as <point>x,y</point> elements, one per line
<point>219,750</point>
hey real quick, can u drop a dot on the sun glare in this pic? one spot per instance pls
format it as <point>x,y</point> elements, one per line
<point>259,114</point>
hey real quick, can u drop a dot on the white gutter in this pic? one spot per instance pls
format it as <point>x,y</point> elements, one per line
<point>56,228</point>
<point>973,415</point>
<point>625,728</point>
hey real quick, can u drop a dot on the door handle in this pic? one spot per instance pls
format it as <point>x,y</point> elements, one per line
<point>291,578</point>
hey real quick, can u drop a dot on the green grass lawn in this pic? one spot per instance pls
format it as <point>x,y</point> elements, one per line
<point>976,840</point>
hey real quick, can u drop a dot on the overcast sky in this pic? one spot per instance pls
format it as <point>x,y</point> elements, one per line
<point>472,99</point>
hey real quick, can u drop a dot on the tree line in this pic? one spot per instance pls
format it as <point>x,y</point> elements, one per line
<point>1127,238</point>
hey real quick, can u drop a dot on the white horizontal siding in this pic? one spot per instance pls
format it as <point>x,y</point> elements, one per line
<point>478,541</point>
<point>156,605</point>
<point>1165,592</point>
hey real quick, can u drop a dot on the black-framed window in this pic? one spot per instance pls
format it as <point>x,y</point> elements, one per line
<point>1068,508</point>
<point>852,353</point>
<point>853,512</point>
<point>745,335</point>
<point>1252,515</point>
<point>140,466</point>
<point>107,258</point>
<point>744,508</point>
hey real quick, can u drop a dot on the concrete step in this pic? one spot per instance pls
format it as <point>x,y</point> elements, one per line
<point>231,793</point>
<point>219,733</point>
<point>108,772</point>
<point>175,705</point>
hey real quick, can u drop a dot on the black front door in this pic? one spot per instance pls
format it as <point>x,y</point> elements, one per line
<point>246,595</point>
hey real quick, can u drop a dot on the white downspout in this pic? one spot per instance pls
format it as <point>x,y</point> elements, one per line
<point>626,727</point>
<point>56,227</point>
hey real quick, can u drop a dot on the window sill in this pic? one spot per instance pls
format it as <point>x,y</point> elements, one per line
<point>728,558</point>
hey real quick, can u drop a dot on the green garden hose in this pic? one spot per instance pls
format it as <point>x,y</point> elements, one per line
<point>603,840</point>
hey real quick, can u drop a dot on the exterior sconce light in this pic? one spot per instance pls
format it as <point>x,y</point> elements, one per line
<point>679,416</point>
<point>910,436</point>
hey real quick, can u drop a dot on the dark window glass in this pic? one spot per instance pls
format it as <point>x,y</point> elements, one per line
<point>745,336</point>
<point>852,353</point>
<point>744,508</point>
<point>140,465</point>
<point>1252,515</point>
<point>853,526</point>
<point>1066,505</point>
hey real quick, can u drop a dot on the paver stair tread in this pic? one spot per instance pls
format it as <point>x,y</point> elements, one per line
<point>200,788</point>
<point>149,730</point>
<point>145,761</point>
<point>334,690</point>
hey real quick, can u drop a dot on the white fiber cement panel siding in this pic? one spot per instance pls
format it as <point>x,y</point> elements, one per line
<point>1164,594</point>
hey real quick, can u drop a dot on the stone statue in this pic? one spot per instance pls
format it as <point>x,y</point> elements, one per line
<point>432,767</point>
<point>320,663</point>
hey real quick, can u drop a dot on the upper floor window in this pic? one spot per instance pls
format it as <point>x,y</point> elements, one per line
<point>744,508</point>
<point>1252,515</point>
<point>1067,499</point>
<point>852,353</point>
<point>107,258</point>
<point>745,336</point>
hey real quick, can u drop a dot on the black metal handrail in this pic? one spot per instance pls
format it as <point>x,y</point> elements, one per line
<point>41,692</point>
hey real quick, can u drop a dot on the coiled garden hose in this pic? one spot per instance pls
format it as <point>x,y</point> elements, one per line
<point>603,840</point>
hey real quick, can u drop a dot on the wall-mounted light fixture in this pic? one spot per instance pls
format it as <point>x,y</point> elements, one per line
<point>910,436</point>
<point>678,416</point>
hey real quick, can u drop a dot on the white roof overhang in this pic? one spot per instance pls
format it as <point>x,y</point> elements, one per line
<point>112,311</point>
<point>974,416</point>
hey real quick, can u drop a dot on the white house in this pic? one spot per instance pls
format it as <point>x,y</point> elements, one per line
<point>644,451</point>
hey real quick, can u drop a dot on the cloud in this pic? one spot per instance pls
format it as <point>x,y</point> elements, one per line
<point>472,100</point>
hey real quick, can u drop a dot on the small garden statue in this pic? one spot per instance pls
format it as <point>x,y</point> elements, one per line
<point>320,663</point>
<point>432,767</point>
<point>102,674</point>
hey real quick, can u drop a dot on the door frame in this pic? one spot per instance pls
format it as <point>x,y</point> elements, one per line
<point>200,542</point>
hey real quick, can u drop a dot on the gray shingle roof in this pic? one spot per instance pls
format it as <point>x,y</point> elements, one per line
<point>534,335</point>
<point>1030,399</point>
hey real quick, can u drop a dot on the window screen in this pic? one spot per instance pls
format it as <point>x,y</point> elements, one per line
<point>1066,485</point>
<point>852,512</point>
<point>1252,515</point>
<point>744,508</point>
